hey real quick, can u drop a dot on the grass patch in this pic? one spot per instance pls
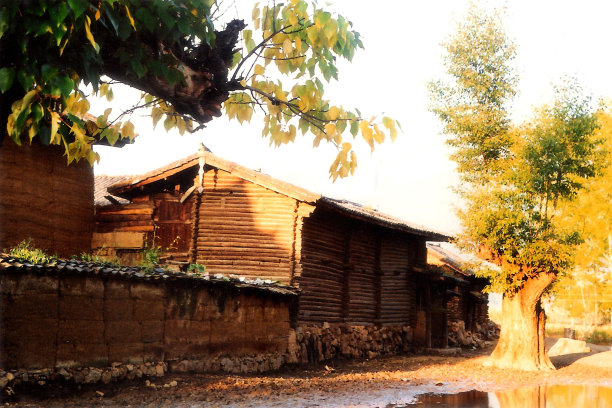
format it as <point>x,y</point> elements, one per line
<point>97,259</point>
<point>26,252</point>
<point>601,335</point>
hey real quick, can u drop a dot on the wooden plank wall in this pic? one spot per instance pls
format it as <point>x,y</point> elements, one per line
<point>245,229</point>
<point>159,215</point>
<point>356,273</point>
<point>173,221</point>
<point>133,217</point>
<point>44,199</point>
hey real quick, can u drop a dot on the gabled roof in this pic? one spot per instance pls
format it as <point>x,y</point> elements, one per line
<point>354,210</point>
<point>211,160</point>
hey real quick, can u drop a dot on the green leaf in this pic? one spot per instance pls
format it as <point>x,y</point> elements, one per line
<point>236,59</point>
<point>37,112</point>
<point>78,6</point>
<point>65,84</point>
<point>44,135</point>
<point>138,68</point>
<point>7,76</point>
<point>112,135</point>
<point>5,19</point>
<point>146,18</point>
<point>26,79</point>
<point>58,13</point>
<point>48,72</point>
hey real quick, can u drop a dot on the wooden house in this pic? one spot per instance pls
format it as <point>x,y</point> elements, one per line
<point>353,265</point>
<point>463,300</point>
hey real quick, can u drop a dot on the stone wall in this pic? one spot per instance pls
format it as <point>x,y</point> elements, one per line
<point>313,344</point>
<point>67,321</point>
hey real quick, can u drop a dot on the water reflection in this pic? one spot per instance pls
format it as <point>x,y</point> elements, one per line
<point>555,396</point>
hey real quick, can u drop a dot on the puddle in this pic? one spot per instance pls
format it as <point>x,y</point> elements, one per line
<point>555,396</point>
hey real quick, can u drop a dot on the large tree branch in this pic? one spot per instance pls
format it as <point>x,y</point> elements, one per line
<point>205,72</point>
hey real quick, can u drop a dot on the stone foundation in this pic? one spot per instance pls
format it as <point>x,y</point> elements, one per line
<point>312,344</point>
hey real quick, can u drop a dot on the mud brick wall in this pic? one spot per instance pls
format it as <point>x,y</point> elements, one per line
<point>83,320</point>
<point>50,203</point>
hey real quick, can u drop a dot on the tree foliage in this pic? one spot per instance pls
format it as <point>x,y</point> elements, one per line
<point>473,101</point>
<point>188,69</point>
<point>587,288</point>
<point>514,177</point>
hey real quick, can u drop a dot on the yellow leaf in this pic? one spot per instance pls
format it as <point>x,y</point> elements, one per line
<point>379,136</point>
<point>346,147</point>
<point>92,157</point>
<point>259,70</point>
<point>55,121</point>
<point>128,130</point>
<point>393,133</point>
<point>89,35</point>
<point>333,113</point>
<point>244,113</point>
<point>298,44</point>
<point>388,122</point>
<point>129,16</point>
<point>287,46</point>
<point>330,129</point>
<point>182,126</point>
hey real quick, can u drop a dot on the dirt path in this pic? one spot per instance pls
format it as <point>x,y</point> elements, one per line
<point>369,383</point>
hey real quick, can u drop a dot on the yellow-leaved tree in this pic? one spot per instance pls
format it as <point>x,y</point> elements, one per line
<point>189,70</point>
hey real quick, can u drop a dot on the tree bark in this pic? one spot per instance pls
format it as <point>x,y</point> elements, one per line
<point>521,343</point>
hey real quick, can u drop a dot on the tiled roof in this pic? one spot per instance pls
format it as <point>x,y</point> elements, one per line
<point>101,196</point>
<point>384,219</point>
<point>74,267</point>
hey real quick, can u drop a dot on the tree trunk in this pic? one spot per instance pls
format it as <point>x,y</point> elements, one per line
<point>521,343</point>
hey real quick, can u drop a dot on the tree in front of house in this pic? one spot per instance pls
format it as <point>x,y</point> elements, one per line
<point>515,179</point>
<point>189,71</point>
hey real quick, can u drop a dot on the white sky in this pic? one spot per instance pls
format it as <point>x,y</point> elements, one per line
<point>411,177</point>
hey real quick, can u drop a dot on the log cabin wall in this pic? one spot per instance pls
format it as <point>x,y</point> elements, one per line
<point>363,276</point>
<point>324,268</point>
<point>44,199</point>
<point>245,229</point>
<point>159,216</point>
<point>356,273</point>
<point>398,290</point>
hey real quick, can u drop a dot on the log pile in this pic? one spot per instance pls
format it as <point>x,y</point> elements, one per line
<point>458,336</point>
